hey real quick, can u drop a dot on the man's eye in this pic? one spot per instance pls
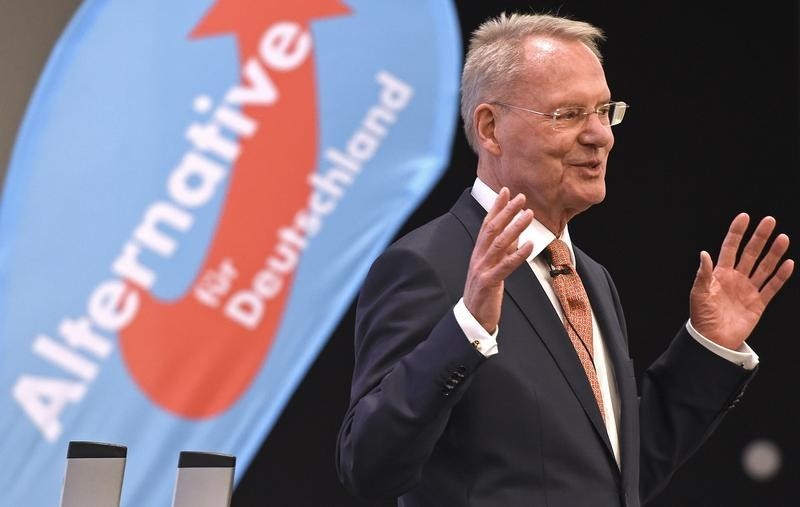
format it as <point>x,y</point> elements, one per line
<point>569,114</point>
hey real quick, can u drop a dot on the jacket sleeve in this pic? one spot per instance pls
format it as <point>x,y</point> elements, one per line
<point>684,395</point>
<point>412,364</point>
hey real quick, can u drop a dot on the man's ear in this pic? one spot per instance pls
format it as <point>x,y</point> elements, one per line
<point>485,123</point>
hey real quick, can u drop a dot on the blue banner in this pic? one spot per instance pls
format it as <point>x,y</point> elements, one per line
<point>195,195</point>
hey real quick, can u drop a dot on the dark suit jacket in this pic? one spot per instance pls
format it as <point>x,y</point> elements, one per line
<point>433,421</point>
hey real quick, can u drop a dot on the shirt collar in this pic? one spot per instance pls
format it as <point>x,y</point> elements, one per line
<point>536,233</point>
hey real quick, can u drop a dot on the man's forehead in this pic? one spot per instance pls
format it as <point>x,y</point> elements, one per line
<point>541,47</point>
<point>561,71</point>
<point>545,48</point>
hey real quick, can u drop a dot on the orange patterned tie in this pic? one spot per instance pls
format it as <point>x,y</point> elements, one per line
<point>577,311</point>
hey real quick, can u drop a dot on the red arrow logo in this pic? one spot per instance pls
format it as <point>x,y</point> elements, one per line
<point>196,356</point>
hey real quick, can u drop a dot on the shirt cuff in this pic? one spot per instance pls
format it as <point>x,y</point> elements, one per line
<point>743,356</point>
<point>483,342</point>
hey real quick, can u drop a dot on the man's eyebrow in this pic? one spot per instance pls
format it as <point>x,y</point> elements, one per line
<point>579,104</point>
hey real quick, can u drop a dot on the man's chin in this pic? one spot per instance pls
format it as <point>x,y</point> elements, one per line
<point>591,199</point>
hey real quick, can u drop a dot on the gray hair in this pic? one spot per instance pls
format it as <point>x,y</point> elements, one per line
<point>494,58</point>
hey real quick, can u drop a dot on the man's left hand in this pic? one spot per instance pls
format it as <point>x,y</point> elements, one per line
<point>727,300</point>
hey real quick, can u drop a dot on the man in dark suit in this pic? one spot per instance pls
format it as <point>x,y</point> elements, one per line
<point>492,364</point>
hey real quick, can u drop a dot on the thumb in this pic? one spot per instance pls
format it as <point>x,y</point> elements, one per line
<point>705,271</point>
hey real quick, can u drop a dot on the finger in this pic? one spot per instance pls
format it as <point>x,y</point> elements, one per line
<point>492,229</point>
<point>754,247</point>
<point>512,261</point>
<point>507,240</point>
<point>487,231</point>
<point>503,210</point>
<point>776,282</point>
<point>499,203</point>
<point>730,245</point>
<point>705,272</point>
<point>767,265</point>
<point>514,231</point>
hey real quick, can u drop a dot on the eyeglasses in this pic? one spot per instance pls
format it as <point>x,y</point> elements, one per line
<point>567,118</point>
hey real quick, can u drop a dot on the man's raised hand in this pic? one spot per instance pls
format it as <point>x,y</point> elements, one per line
<point>727,300</point>
<point>495,256</point>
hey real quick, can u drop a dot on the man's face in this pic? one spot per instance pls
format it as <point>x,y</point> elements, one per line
<point>561,172</point>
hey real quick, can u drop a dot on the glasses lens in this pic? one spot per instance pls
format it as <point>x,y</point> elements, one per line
<point>567,117</point>
<point>617,112</point>
<point>604,113</point>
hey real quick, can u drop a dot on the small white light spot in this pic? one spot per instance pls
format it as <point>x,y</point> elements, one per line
<point>761,460</point>
<point>202,104</point>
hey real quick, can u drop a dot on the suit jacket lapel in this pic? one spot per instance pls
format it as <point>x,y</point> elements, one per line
<point>604,309</point>
<point>527,293</point>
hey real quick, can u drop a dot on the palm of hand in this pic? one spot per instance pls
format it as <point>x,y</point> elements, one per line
<point>728,309</point>
<point>727,301</point>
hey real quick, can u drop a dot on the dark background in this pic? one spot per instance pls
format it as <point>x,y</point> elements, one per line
<point>713,130</point>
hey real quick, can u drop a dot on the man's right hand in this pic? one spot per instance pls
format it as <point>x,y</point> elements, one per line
<point>495,256</point>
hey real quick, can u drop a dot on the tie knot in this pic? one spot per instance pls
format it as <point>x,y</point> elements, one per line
<point>558,253</point>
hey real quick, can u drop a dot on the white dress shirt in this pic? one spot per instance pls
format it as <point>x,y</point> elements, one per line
<point>540,236</point>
